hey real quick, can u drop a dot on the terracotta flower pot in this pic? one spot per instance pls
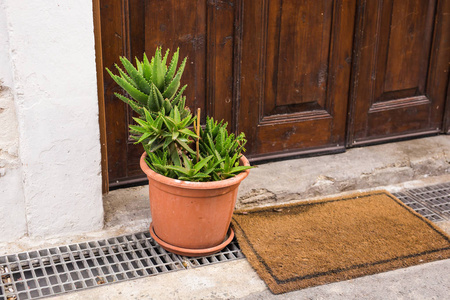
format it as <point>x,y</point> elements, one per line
<point>192,218</point>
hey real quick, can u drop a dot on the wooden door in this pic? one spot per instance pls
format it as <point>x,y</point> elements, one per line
<point>298,77</point>
<point>295,72</point>
<point>402,55</point>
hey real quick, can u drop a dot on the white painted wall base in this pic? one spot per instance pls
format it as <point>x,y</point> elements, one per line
<point>12,214</point>
<point>53,184</point>
<point>12,203</point>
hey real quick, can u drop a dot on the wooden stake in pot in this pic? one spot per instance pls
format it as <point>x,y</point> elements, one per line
<point>197,131</point>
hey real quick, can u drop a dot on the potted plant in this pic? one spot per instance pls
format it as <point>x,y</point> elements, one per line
<point>193,175</point>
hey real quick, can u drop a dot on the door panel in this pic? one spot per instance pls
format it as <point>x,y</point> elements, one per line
<point>301,75</point>
<point>399,76</point>
<point>295,72</point>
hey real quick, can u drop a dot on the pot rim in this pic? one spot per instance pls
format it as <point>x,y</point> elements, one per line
<point>191,184</point>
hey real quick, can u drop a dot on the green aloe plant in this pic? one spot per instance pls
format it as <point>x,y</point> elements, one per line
<point>225,149</point>
<point>152,85</point>
<point>167,132</point>
<point>163,124</point>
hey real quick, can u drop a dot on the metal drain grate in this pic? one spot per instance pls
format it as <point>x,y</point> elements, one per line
<point>432,202</point>
<point>418,207</point>
<point>52,271</point>
<point>231,252</point>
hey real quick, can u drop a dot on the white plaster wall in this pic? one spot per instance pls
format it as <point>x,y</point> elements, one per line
<point>51,47</point>
<point>12,202</point>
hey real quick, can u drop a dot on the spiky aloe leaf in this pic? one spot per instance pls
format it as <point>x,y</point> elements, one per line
<point>167,105</point>
<point>173,153</point>
<point>208,126</point>
<point>156,145</point>
<point>201,176</point>
<point>147,71</point>
<point>143,137</point>
<point>239,169</point>
<point>152,100</point>
<point>175,135</point>
<point>185,146</point>
<point>167,140</point>
<point>160,167</point>
<point>188,132</point>
<point>159,122</point>
<point>172,68</point>
<point>175,100</point>
<point>179,169</point>
<point>152,140</point>
<point>150,165</point>
<point>198,166</point>
<point>148,116</point>
<point>158,98</point>
<point>220,139</point>
<point>143,123</point>
<point>184,110</point>
<point>137,77</point>
<point>137,129</point>
<point>186,161</point>
<point>125,76</point>
<point>175,115</point>
<point>158,70</point>
<point>172,88</point>
<point>169,123</point>
<point>134,105</point>
<point>186,121</point>
<point>139,66</point>
<point>164,61</point>
<point>131,90</point>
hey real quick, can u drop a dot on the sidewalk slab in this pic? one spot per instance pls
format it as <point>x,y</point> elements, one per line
<point>237,280</point>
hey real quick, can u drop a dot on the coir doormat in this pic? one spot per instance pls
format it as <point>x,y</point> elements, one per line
<point>311,243</point>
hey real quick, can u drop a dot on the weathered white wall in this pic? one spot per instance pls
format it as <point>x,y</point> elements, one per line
<point>51,60</point>
<point>12,202</point>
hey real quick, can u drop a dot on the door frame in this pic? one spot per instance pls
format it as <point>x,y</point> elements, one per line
<point>101,94</point>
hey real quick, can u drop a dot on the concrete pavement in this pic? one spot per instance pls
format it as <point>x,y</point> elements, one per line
<point>393,167</point>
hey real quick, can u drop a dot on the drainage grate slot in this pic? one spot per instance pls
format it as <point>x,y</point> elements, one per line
<point>418,207</point>
<point>432,202</point>
<point>230,252</point>
<point>57,270</point>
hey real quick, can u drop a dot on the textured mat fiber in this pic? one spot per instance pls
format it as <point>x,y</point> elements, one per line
<point>311,243</point>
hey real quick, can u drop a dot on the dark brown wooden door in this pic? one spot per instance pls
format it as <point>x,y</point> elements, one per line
<point>295,74</point>
<point>402,55</point>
